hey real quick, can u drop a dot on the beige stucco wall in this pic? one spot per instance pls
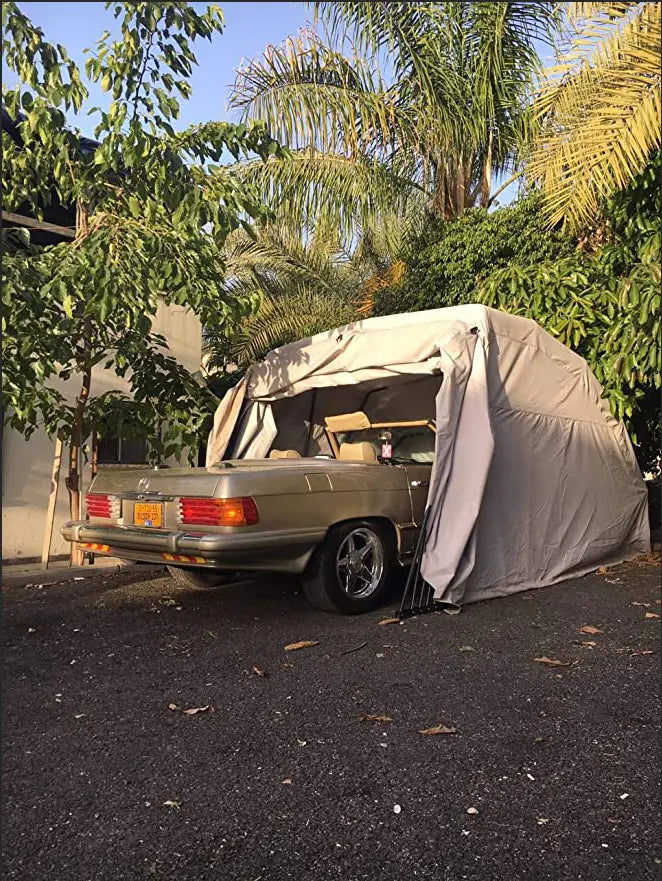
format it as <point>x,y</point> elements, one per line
<point>26,465</point>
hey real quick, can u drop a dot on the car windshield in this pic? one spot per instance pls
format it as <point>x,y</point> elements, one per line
<point>409,443</point>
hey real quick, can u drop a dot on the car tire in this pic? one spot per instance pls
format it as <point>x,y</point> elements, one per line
<point>200,577</point>
<point>328,583</point>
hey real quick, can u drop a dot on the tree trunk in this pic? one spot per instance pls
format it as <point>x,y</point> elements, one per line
<point>460,187</point>
<point>487,172</point>
<point>439,198</point>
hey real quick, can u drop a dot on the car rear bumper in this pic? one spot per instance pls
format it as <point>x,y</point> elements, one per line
<point>282,551</point>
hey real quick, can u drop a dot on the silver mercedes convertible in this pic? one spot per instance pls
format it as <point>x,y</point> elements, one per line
<point>344,523</point>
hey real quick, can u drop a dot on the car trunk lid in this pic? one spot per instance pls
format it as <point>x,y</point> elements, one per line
<point>152,482</point>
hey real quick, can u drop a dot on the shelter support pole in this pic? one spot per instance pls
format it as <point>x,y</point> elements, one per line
<point>306,452</point>
<point>418,596</point>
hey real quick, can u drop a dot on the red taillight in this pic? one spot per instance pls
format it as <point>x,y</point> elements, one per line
<point>99,506</point>
<point>218,512</point>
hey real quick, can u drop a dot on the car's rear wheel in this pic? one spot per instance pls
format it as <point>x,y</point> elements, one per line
<point>200,577</point>
<point>350,572</point>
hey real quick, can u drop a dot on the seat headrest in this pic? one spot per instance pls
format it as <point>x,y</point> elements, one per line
<point>347,422</point>
<point>363,452</point>
<point>284,454</point>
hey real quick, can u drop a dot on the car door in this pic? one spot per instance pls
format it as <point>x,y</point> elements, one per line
<point>418,480</point>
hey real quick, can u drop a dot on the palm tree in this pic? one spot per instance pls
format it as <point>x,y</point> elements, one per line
<point>299,286</point>
<point>600,107</point>
<point>434,133</point>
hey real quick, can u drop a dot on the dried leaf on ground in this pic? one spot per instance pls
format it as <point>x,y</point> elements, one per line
<point>588,629</point>
<point>286,666</point>
<point>193,711</point>
<point>372,717</point>
<point>287,781</point>
<point>173,707</point>
<point>259,672</point>
<point>388,621</point>
<point>589,644</point>
<point>651,615</point>
<point>354,649</point>
<point>438,729</point>
<point>643,652</point>
<point>304,644</point>
<point>172,804</point>
<point>551,662</point>
<point>601,570</point>
<point>466,648</point>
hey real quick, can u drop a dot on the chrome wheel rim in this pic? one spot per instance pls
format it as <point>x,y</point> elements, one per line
<point>360,563</point>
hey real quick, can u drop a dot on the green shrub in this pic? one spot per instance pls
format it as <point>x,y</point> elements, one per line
<point>450,260</point>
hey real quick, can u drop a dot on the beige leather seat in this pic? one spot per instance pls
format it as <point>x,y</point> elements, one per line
<point>284,454</point>
<point>363,452</point>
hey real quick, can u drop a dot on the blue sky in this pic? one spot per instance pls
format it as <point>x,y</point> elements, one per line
<point>249,28</point>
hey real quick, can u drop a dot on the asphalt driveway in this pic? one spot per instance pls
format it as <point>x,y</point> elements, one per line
<point>552,771</point>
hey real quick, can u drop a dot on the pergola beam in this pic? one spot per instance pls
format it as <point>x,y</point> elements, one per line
<point>66,232</point>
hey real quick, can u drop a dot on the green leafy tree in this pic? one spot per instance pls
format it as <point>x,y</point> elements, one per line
<point>604,302</point>
<point>153,210</point>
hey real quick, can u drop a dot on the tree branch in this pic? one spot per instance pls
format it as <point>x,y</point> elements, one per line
<point>503,186</point>
<point>141,77</point>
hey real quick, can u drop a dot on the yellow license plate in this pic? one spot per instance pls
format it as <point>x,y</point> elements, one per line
<point>148,514</point>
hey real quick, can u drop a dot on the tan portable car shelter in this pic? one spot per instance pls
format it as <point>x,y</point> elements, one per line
<point>533,481</point>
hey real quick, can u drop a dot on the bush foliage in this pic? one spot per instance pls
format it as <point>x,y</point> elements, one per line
<point>449,261</point>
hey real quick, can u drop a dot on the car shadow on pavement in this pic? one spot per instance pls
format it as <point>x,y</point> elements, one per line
<point>257,596</point>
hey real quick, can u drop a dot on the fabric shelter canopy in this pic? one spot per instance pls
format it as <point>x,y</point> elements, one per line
<point>533,481</point>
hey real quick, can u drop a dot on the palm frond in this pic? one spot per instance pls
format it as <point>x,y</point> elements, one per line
<point>278,261</point>
<point>316,189</point>
<point>393,275</point>
<point>279,321</point>
<point>302,283</point>
<point>449,117</point>
<point>600,117</point>
<point>400,30</point>
<point>308,94</point>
